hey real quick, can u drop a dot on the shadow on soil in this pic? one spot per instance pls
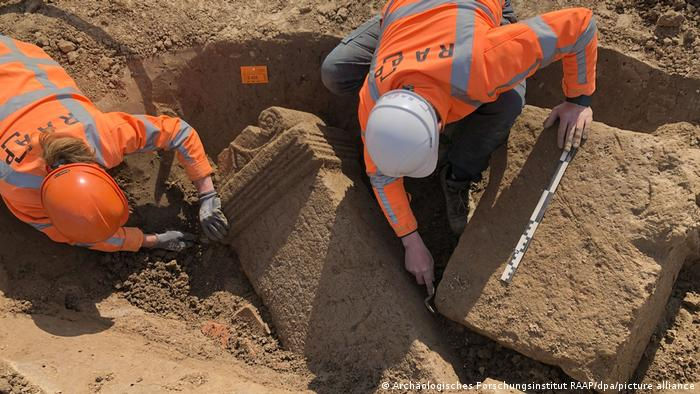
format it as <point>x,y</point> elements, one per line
<point>48,280</point>
<point>630,94</point>
<point>688,282</point>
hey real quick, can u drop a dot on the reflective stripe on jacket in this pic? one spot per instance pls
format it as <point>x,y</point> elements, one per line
<point>38,96</point>
<point>455,54</point>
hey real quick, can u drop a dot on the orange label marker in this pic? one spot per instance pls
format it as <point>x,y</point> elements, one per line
<point>254,74</point>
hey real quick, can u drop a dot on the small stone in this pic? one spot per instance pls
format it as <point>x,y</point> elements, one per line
<point>168,43</point>
<point>624,21</point>
<point>66,46</point>
<point>248,315</point>
<point>343,13</point>
<point>41,40</point>
<point>667,41</point>
<point>73,57</point>
<point>689,37</point>
<point>684,317</point>
<point>111,85</point>
<point>653,15</point>
<point>692,300</point>
<point>320,19</point>
<point>99,379</point>
<point>5,386</point>
<point>327,8</point>
<point>105,63</point>
<point>305,9</point>
<point>670,19</point>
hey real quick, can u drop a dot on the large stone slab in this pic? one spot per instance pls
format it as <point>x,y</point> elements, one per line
<point>318,252</point>
<point>594,283</point>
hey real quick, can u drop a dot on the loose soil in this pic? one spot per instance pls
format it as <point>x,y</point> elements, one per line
<point>182,57</point>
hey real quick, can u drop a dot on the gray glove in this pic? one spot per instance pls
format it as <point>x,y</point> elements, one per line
<point>174,241</point>
<point>211,217</point>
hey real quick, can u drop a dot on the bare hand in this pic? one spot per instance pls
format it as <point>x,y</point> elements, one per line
<point>574,122</point>
<point>419,261</point>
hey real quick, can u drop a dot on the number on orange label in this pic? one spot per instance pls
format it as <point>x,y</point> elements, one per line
<point>254,74</point>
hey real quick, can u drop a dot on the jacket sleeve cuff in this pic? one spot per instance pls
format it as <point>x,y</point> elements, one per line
<point>406,230</point>
<point>198,170</point>
<point>407,234</point>
<point>582,100</point>
<point>133,240</point>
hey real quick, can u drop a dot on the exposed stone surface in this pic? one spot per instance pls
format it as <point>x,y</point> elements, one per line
<point>272,121</point>
<point>248,315</point>
<point>597,276</point>
<point>318,252</point>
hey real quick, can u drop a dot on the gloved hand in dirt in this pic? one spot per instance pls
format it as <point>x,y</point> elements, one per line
<point>174,241</point>
<point>211,217</point>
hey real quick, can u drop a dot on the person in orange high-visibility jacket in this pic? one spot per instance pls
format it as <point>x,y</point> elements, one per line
<point>426,64</point>
<point>44,116</point>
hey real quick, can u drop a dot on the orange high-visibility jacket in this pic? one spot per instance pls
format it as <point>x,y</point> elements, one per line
<point>455,55</point>
<point>38,96</point>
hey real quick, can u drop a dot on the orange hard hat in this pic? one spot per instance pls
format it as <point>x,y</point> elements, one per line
<point>84,203</point>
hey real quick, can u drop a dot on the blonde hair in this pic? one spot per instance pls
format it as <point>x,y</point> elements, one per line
<point>65,149</point>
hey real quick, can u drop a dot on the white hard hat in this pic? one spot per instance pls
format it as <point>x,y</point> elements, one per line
<point>402,135</point>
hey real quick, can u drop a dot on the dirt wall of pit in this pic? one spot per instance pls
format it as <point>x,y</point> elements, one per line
<point>316,249</point>
<point>630,94</point>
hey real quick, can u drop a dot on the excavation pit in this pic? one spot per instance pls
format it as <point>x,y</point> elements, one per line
<point>203,86</point>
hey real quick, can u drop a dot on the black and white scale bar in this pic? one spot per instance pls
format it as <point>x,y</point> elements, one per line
<point>536,217</point>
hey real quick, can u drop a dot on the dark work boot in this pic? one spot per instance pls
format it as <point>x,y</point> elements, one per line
<point>457,200</point>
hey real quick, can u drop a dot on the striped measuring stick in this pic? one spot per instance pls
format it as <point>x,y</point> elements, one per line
<point>536,217</point>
